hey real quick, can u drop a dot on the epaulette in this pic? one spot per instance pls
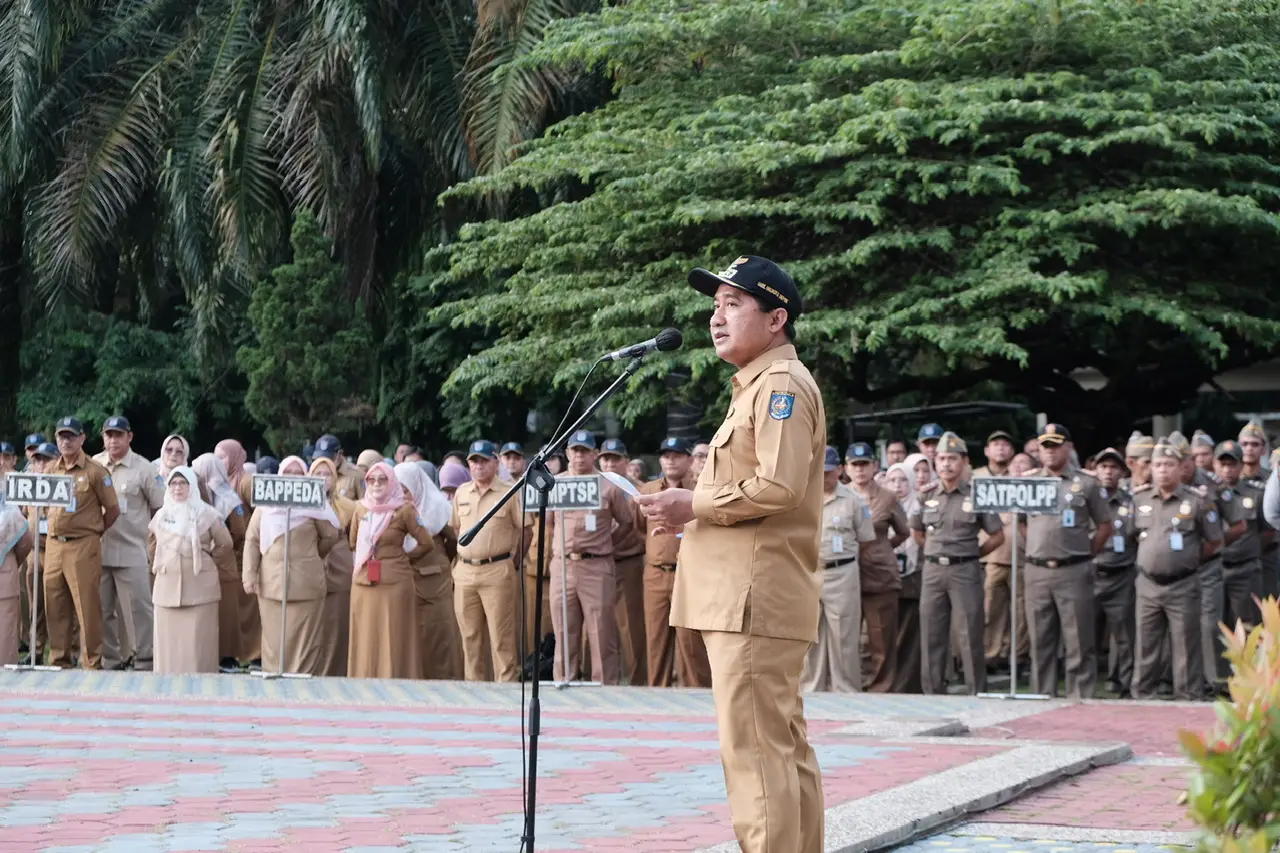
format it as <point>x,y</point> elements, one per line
<point>1145,487</point>
<point>929,487</point>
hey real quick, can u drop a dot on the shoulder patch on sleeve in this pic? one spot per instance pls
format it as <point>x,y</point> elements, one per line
<point>240,510</point>
<point>781,405</point>
<point>106,481</point>
<point>1211,516</point>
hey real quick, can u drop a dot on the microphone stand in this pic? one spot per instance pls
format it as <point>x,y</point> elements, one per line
<point>543,481</point>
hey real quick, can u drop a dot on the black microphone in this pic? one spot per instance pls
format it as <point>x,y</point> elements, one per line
<point>667,340</point>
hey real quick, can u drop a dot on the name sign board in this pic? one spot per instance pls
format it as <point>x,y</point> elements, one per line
<point>570,493</point>
<point>53,490</point>
<point>300,492</point>
<point>1029,495</point>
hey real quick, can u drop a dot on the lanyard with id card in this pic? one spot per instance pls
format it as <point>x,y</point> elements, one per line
<point>837,544</point>
<point>1175,540</point>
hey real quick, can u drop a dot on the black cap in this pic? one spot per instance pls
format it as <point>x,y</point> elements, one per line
<point>268,465</point>
<point>1054,434</point>
<point>69,424</point>
<point>34,440</point>
<point>583,438</point>
<point>328,445</point>
<point>760,277</point>
<point>1112,454</point>
<point>1229,450</point>
<point>7,447</point>
<point>930,432</point>
<point>47,450</point>
<point>675,445</point>
<point>484,449</point>
<point>831,461</point>
<point>613,447</point>
<point>860,452</point>
<point>511,447</point>
<point>117,423</point>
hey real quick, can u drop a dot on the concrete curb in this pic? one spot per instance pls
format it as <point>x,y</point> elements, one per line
<point>1035,831</point>
<point>903,813</point>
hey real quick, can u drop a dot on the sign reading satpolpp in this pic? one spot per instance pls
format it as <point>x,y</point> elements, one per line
<point>1029,495</point>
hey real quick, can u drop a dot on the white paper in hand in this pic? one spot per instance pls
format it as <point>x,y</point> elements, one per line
<point>622,483</point>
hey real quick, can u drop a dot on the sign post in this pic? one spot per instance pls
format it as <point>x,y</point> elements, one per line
<point>35,491</point>
<point>271,490</point>
<point>1019,496</point>
<point>569,493</point>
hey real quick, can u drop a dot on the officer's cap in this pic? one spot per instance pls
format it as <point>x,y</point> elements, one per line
<point>1254,429</point>
<point>482,448</point>
<point>328,445</point>
<point>47,450</point>
<point>930,432</point>
<point>1139,446</point>
<point>760,277</point>
<point>117,423</point>
<point>1112,454</point>
<point>675,445</point>
<point>69,424</point>
<point>1201,439</point>
<point>583,438</point>
<point>511,447</point>
<point>7,447</point>
<point>860,452</point>
<point>1229,450</point>
<point>1165,450</point>
<point>613,447</point>
<point>999,435</point>
<point>1054,434</point>
<point>1179,441</point>
<point>952,443</point>
<point>832,460</point>
<point>34,440</point>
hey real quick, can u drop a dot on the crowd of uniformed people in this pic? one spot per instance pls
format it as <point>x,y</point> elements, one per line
<point>166,564</point>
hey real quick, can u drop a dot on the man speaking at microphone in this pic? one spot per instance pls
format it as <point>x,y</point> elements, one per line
<point>749,557</point>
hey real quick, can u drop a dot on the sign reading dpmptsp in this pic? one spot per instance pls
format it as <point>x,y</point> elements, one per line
<point>1030,495</point>
<point>570,493</point>
<point>39,490</point>
<point>299,492</point>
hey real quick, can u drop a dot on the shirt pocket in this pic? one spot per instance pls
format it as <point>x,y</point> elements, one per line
<point>719,468</point>
<point>931,517</point>
<point>1143,521</point>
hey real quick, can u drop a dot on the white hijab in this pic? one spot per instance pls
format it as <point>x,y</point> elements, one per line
<point>434,509</point>
<point>213,473</point>
<point>12,526</point>
<point>188,519</point>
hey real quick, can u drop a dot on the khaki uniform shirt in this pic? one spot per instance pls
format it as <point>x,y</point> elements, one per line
<point>1241,503</point>
<point>595,532</point>
<point>93,493</point>
<point>309,544</point>
<point>949,524</point>
<point>748,561</point>
<point>1058,537</point>
<point>178,583</point>
<point>879,569</point>
<point>349,483</point>
<point>631,544</point>
<point>663,550</point>
<point>1160,522</point>
<point>846,521</point>
<point>140,493</point>
<point>1121,549</point>
<point>389,548</point>
<point>504,532</point>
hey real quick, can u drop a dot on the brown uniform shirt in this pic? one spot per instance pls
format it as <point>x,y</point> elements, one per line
<point>949,524</point>
<point>1120,550</point>
<point>349,482</point>
<point>749,560</point>
<point>504,532</point>
<point>93,493</point>
<point>595,532</point>
<point>662,550</point>
<point>139,493</point>
<point>877,563</point>
<point>1059,537</point>
<point>1241,503</point>
<point>389,549</point>
<point>631,544</point>
<point>1161,522</point>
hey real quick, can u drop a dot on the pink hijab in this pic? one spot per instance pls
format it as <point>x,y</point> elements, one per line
<point>273,518</point>
<point>236,457</point>
<point>379,514</point>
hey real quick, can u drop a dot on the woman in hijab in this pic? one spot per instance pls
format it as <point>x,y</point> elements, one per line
<point>918,473</point>
<point>451,477</point>
<point>174,453</point>
<point>16,542</point>
<point>387,537</point>
<point>312,534</point>
<point>438,633</point>
<point>233,458</point>
<point>432,471</point>
<point>189,546</point>
<point>338,568</point>
<point>367,459</point>
<point>216,490</point>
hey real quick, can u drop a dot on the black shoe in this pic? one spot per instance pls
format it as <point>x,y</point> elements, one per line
<point>229,666</point>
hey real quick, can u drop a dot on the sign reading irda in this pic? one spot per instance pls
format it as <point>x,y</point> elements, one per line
<point>39,490</point>
<point>1030,495</point>
<point>570,493</point>
<point>274,490</point>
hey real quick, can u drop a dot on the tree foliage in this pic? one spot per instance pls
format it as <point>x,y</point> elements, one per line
<point>311,365</point>
<point>966,190</point>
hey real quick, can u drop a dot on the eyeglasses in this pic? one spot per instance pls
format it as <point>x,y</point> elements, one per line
<point>377,481</point>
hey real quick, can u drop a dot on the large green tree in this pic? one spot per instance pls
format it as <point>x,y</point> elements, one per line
<point>967,191</point>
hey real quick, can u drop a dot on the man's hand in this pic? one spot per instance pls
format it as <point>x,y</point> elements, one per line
<point>671,509</point>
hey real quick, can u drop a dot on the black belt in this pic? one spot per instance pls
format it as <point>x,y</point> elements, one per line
<point>1108,571</point>
<point>835,564</point>
<point>590,556</point>
<point>1170,580</point>
<point>666,567</point>
<point>1059,564</point>
<point>487,560</point>
<point>951,561</point>
<point>1235,564</point>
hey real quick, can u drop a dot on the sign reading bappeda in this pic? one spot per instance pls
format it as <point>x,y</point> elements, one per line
<point>570,493</point>
<point>1030,495</point>
<point>274,490</point>
<point>39,490</point>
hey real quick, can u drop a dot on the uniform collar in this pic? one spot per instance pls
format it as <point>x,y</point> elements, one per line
<point>79,462</point>
<point>841,491</point>
<point>666,483</point>
<point>123,463</point>
<point>961,486</point>
<point>748,374</point>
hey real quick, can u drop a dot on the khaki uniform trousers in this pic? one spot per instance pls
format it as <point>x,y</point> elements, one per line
<point>1240,584</point>
<point>1171,612</point>
<point>125,592</point>
<point>1211,613</point>
<point>72,586</point>
<point>250,626</point>
<point>997,634</point>
<point>951,603</point>
<point>671,648</point>
<point>908,667</point>
<point>880,610</point>
<point>835,661</point>
<point>438,632</point>
<point>1113,596</point>
<point>1060,610</point>
<point>229,617</point>
<point>629,612</point>
<point>770,770</point>
<point>590,591</point>
<point>485,605</point>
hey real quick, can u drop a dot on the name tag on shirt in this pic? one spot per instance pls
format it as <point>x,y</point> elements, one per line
<point>44,527</point>
<point>837,544</point>
<point>1175,540</point>
<point>1117,544</point>
<point>591,522</point>
<point>124,503</point>
<point>1068,518</point>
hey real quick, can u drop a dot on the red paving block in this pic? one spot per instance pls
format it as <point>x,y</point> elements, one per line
<point>1123,796</point>
<point>1151,730</point>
